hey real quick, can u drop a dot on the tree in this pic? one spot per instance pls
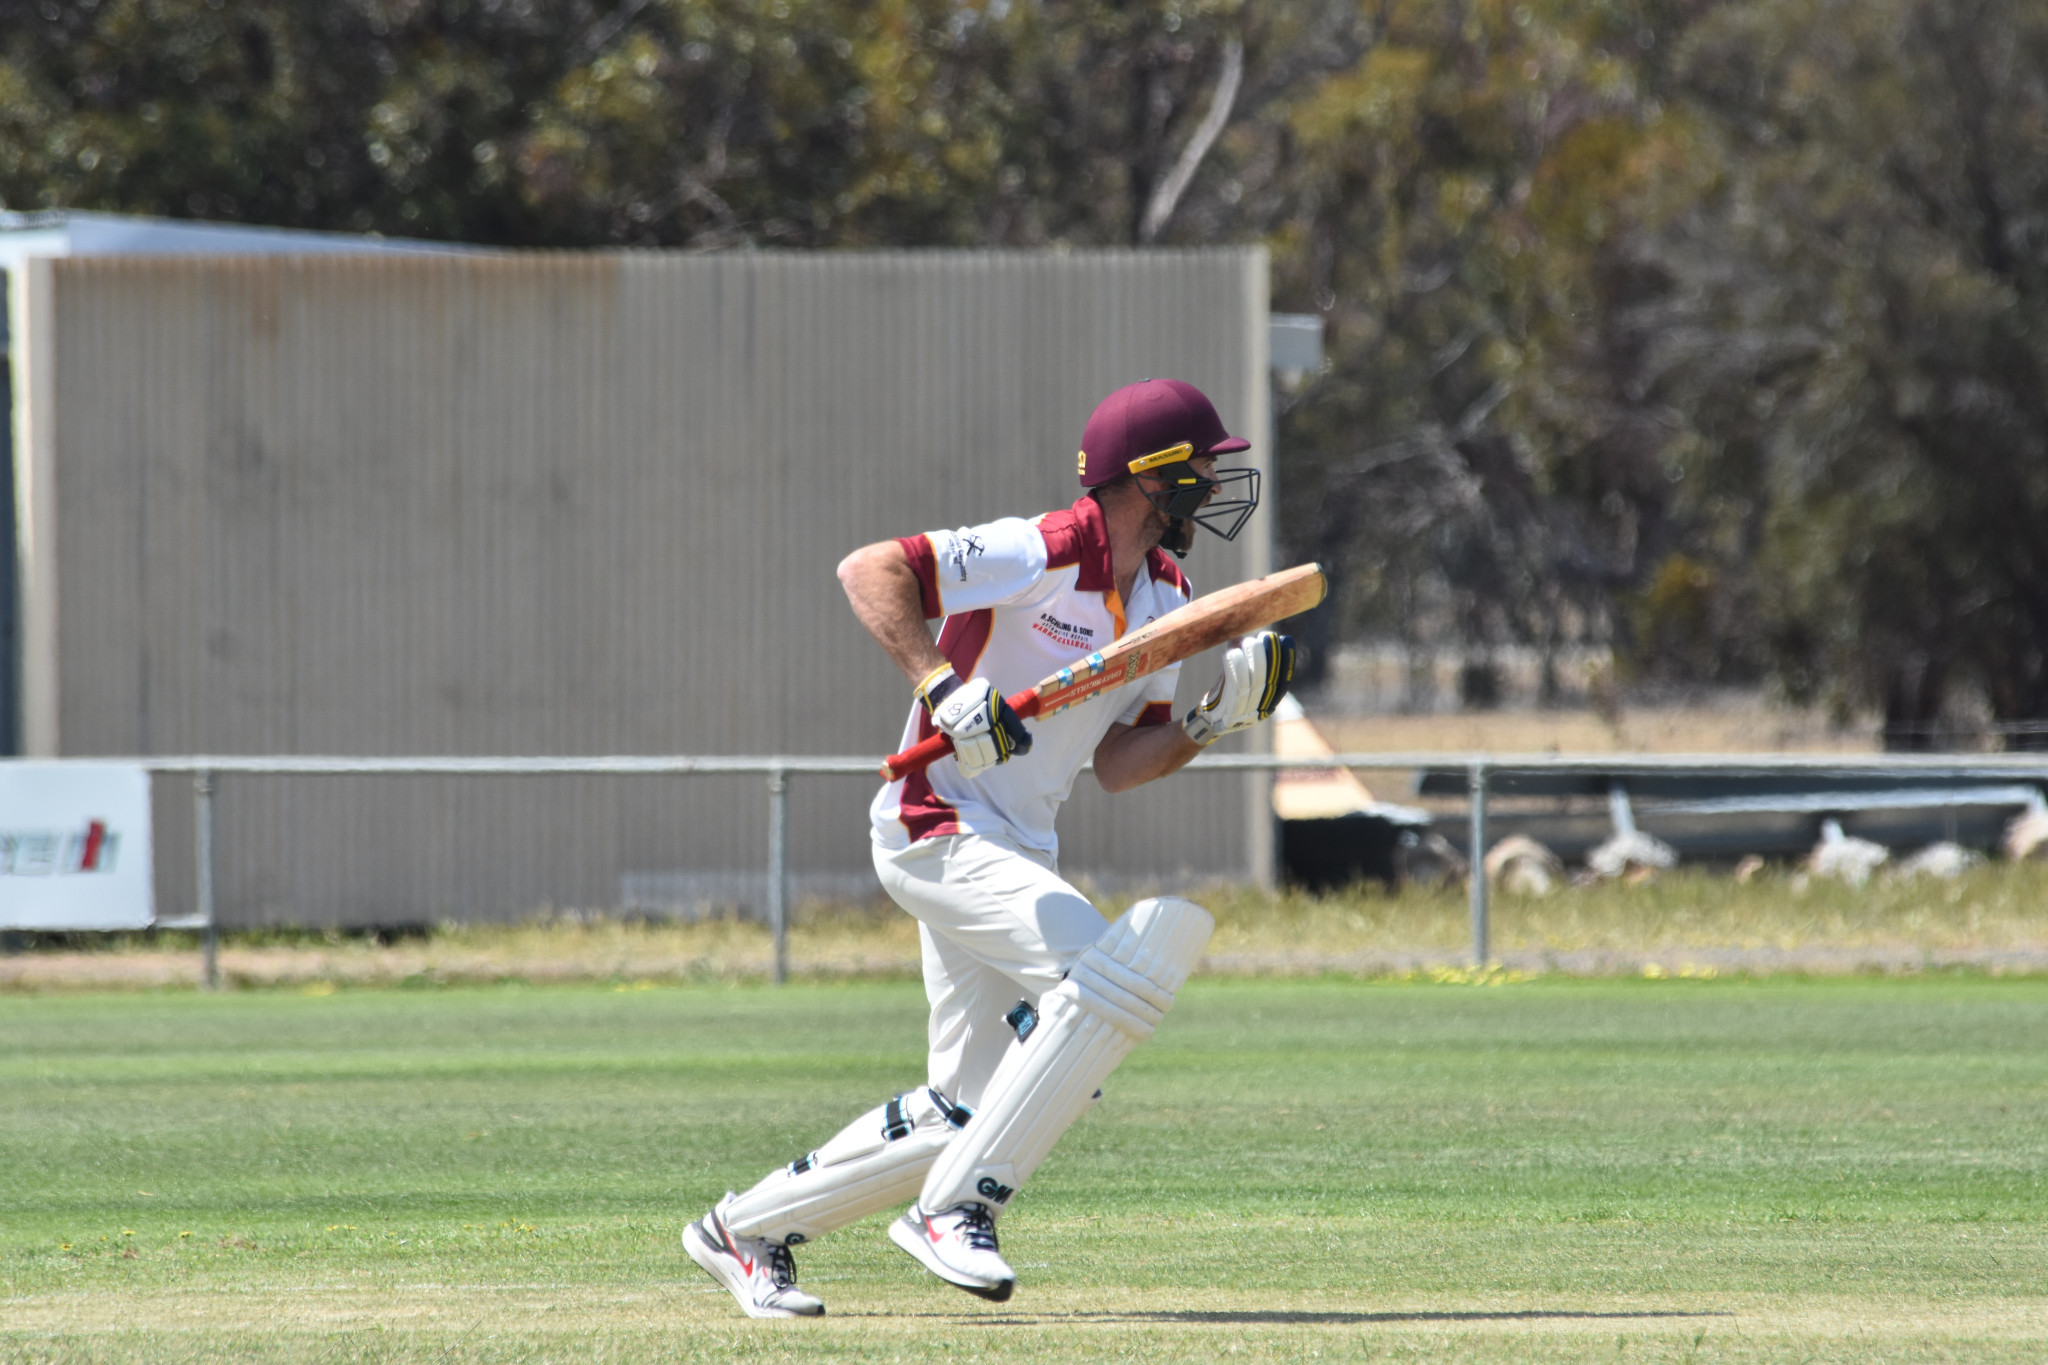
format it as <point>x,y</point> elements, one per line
<point>1855,331</point>
<point>1455,196</point>
<point>1711,329</point>
<point>700,123</point>
<point>296,113</point>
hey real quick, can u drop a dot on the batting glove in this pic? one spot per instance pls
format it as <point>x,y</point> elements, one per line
<point>1256,672</point>
<point>983,728</point>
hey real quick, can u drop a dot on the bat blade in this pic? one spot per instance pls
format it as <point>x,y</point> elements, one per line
<point>1201,624</point>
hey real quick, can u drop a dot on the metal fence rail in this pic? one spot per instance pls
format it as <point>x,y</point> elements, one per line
<point>207,770</point>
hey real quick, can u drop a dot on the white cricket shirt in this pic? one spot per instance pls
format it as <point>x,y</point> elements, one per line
<point>1022,599</point>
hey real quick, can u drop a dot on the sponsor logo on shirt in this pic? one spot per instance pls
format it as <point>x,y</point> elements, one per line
<point>1064,632</point>
<point>964,549</point>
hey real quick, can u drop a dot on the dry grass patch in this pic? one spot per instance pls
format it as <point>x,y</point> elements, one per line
<point>1744,726</point>
<point>1995,918</point>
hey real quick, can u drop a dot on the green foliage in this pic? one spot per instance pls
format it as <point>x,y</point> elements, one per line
<point>702,123</point>
<point>1750,288</point>
<point>1454,192</point>
<point>1755,286</point>
<point>1884,266</point>
<point>297,113</point>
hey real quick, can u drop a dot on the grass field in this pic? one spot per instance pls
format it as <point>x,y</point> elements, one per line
<point>1782,1170</point>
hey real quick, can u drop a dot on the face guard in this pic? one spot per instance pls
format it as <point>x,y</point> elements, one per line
<point>1223,502</point>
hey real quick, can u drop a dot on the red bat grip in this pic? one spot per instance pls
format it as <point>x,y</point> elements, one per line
<point>932,748</point>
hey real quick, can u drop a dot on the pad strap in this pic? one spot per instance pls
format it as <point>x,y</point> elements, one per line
<point>894,1123</point>
<point>956,1115</point>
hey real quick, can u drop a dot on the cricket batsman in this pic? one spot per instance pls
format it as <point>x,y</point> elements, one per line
<point>1035,997</point>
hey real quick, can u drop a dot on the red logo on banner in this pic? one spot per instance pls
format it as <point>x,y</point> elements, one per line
<point>50,852</point>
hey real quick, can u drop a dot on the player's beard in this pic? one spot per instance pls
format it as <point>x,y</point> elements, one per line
<point>1171,533</point>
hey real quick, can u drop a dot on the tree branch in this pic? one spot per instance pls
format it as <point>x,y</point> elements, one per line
<point>599,34</point>
<point>1167,194</point>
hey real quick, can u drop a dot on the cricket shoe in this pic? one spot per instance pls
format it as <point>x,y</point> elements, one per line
<point>759,1273</point>
<point>958,1246</point>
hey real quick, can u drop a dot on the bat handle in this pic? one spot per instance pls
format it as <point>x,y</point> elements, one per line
<point>932,748</point>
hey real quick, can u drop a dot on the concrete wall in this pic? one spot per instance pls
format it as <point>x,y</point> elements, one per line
<point>565,504</point>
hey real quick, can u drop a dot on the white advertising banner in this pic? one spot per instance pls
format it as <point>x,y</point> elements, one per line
<point>74,846</point>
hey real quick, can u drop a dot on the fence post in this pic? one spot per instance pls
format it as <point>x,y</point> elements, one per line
<point>778,868</point>
<point>1477,778</point>
<point>202,857</point>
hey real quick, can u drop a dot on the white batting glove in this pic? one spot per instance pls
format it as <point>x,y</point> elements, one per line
<point>983,728</point>
<point>1256,673</point>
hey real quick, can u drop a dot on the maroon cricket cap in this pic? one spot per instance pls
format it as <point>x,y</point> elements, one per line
<point>1145,418</point>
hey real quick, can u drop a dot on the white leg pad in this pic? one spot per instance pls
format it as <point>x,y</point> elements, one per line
<point>1110,1002</point>
<point>876,1162</point>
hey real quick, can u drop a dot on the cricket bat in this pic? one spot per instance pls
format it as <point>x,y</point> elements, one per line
<point>1178,635</point>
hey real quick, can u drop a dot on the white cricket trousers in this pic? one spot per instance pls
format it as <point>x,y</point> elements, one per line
<point>998,926</point>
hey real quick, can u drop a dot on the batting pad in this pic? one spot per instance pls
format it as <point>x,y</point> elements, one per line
<point>875,1162</point>
<point>1110,1002</point>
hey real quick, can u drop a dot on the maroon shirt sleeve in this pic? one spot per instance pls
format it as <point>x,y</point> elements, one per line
<point>918,551</point>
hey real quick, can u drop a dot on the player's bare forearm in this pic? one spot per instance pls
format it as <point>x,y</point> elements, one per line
<point>885,596</point>
<point>1130,756</point>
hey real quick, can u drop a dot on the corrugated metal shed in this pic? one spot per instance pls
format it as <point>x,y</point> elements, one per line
<point>70,232</point>
<point>560,504</point>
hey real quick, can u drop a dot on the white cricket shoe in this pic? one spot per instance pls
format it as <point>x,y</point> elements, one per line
<point>759,1273</point>
<point>958,1246</point>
